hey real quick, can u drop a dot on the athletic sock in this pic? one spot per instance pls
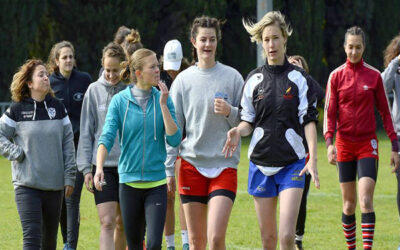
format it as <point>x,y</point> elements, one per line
<point>170,240</point>
<point>298,237</point>
<point>368,229</point>
<point>185,237</point>
<point>349,230</point>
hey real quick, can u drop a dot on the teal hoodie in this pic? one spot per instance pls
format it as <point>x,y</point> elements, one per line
<point>141,136</point>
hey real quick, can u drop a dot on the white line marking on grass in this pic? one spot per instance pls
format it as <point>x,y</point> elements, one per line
<point>233,246</point>
<point>325,194</point>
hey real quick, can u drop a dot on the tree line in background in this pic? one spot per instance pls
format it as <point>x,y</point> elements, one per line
<point>30,27</point>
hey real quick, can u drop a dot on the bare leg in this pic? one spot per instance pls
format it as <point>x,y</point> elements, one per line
<point>366,187</point>
<point>289,204</point>
<point>196,219</point>
<point>169,228</point>
<point>182,219</point>
<point>349,197</point>
<point>266,214</point>
<point>107,214</point>
<point>219,210</point>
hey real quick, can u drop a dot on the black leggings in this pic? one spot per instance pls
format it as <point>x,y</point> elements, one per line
<point>301,219</point>
<point>365,167</point>
<point>142,208</point>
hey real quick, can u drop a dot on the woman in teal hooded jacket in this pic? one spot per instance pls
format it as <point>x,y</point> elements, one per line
<point>145,120</point>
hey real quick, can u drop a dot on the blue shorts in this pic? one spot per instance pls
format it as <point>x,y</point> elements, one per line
<point>261,185</point>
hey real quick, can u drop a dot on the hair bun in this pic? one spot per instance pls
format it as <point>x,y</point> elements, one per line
<point>133,37</point>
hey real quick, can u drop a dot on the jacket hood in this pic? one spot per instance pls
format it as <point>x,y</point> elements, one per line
<point>111,89</point>
<point>127,93</point>
<point>59,76</point>
<point>47,98</point>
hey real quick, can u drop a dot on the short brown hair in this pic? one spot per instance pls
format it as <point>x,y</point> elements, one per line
<point>204,22</point>
<point>121,33</point>
<point>354,31</point>
<point>113,50</point>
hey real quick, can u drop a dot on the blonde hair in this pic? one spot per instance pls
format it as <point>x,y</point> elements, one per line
<point>55,54</point>
<point>132,42</point>
<point>273,17</point>
<point>135,62</point>
<point>19,86</point>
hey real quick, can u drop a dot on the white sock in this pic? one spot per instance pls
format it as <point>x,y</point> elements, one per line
<point>170,239</point>
<point>299,237</point>
<point>185,237</point>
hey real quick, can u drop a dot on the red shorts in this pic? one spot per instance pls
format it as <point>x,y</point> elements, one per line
<point>193,186</point>
<point>353,151</point>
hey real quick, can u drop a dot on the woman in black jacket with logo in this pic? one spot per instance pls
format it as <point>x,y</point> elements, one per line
<point>69,85</point>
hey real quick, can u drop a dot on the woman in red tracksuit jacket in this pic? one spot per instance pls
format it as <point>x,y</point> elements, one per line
<point>352,92</point>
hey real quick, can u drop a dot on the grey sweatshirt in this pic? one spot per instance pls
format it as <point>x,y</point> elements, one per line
<point>391,81</point>
<point>37,137</point>
<point>93,115</point>
<point>193,93</point>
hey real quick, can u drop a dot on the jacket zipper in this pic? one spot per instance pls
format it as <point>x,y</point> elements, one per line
<point>68,100</point>
<point>144,141</point>
<point>355,97</point>
<point>274,107</point>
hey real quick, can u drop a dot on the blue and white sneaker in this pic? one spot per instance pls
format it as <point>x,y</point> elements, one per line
<point>185,246</point>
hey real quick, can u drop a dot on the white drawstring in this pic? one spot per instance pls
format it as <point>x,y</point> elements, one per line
<point>123,124</point>
<point>45,106</point>
<point>155,125</point>
<point>34,111</point>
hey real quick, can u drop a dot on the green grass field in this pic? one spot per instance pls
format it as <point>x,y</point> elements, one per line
<point>323,228</point>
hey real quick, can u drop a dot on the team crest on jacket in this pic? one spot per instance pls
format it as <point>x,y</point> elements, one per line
<point>78,96</point>
<point>51,112</point>
<point>374,145</point>
<point>288,95</point>
<point>260,93</point>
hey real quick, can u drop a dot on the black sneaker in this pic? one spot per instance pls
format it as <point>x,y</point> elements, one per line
<point>299,245</point>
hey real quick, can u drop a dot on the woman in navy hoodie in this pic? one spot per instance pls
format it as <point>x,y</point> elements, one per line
<point>145,120</point>
<point>69,86</point>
